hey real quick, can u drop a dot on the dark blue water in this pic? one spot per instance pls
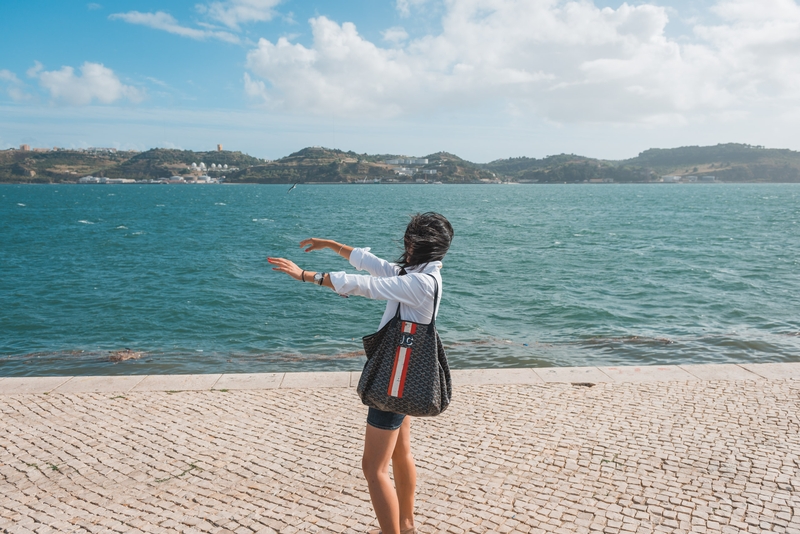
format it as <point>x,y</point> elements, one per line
<point>538,275</point>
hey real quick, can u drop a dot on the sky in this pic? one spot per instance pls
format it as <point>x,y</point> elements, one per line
<point>483,79</point>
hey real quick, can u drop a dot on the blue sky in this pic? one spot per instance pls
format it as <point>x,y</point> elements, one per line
<point>484,79</point>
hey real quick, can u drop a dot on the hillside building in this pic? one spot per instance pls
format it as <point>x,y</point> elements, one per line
<point>407,161</point>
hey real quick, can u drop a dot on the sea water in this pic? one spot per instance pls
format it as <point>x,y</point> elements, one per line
<point>538,275</point>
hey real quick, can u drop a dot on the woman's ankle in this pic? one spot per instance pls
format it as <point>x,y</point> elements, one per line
<point>406,526</point>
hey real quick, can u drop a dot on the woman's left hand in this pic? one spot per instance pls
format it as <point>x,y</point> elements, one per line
<point>286,266</point>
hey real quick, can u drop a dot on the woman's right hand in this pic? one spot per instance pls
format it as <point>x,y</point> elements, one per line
<point>315,243</point>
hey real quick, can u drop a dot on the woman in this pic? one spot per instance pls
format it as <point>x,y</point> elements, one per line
<point>388,435</point>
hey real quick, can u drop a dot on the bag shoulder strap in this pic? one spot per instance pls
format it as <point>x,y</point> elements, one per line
<point>435,297</point>
<point>435,300</point>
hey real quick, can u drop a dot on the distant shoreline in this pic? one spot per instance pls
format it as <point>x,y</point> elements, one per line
<point>719,182</point>
<point>727,163</point>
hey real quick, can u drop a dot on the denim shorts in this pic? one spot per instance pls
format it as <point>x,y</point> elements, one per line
<point>384,420</point>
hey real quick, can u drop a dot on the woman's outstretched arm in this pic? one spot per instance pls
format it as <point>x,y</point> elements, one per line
<point>315,243</point>
<point>289,267</point>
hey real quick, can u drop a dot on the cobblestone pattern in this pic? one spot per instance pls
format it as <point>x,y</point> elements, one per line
<point>701,457</point>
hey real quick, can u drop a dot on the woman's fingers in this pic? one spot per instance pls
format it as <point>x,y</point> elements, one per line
<point>285,266</point>
<point>280,264</point>
<point>313,243</point>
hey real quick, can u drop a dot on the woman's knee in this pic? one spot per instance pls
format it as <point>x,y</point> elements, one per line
<point>374,467</point>
<point>403,458</point>
<point>402,447</point>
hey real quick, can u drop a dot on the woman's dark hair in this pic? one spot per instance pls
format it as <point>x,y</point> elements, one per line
<point>428,237</point>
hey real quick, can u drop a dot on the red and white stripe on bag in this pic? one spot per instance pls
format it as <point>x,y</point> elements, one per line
<point>401,358</point>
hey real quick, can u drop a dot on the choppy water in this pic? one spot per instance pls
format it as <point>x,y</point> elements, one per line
<point>540,275</point>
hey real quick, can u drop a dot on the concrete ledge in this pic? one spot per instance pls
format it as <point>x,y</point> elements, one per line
<point>337,379</point>
<point>725,371</point>
<point>355,376</point>
<point>478,377</point>
<point>772,371</point>
<point>249,381</point>
<point>344,379</point>
<point>573,375</point>
<point>100,384</point>
<point>31,384</point>
<point>177,382</point>
<point>655,373</point>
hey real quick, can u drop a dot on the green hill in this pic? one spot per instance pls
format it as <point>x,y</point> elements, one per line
<point>727,162</point>
<point>163,162</point>
<point>513,166</point>
<point>566,168</point>
<point>731,162</point>
<point>69,165</point>
<point>55,166</point>
<point>324,165</point>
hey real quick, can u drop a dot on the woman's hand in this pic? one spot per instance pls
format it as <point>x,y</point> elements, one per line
<point>315,243</point>
<point>286,266</point>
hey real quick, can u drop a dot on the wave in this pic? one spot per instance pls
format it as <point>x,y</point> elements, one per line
<point>643,340</point>
<point>125,354</point>
<point>85,222</point>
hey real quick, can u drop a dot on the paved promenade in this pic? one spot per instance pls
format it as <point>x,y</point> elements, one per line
<point>707,449</point>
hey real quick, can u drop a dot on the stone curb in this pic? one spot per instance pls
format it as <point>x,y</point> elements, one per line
<point>342,379</point>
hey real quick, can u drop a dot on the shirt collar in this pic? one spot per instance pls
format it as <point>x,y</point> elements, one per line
<point>429,267</point>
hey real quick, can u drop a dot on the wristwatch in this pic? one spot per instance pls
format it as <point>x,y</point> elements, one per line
<point>319,277</point>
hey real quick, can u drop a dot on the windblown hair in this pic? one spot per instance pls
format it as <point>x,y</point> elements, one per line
<point>428,237</point>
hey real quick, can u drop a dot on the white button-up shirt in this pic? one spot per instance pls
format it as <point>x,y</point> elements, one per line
<point>414,290</point>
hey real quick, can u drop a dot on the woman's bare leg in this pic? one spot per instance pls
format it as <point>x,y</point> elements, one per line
<point>379,446</point>
<point>405,475</point>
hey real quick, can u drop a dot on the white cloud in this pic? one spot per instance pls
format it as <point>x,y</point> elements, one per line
<point>565,61</point>
<point>395,35</point>
<point>8,76</point>
<point>759,41</point>
<point>166,22</point>
<point>14,86</point>
<point>35,70</point>
<point>232,13</point>
<point>404,6</point>
<point>255,89</point>
<point>93,6</point>
<point>95,83</point>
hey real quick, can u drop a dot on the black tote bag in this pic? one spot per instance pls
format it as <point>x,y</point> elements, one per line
<point>406,370</point>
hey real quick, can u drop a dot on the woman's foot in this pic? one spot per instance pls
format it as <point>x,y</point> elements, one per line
<point>411,530</point>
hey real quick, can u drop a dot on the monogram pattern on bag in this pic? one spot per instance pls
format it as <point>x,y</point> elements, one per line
<point>406,370</point>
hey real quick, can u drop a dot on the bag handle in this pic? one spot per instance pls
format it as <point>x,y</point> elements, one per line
<point>435,301</point>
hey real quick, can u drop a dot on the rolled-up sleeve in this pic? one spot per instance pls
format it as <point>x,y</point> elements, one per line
<point>411,290</point>
<point>363,260</point>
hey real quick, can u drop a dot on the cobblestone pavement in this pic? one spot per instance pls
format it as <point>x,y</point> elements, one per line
<point>691,456</point>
